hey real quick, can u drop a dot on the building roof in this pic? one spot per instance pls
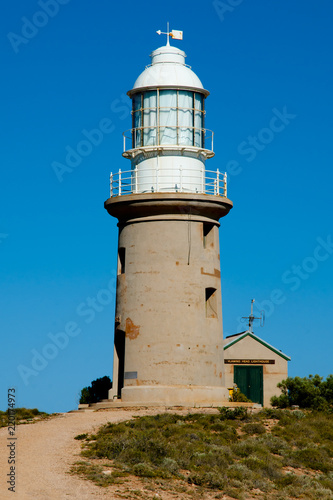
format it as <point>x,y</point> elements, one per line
<point>240,336</point>
<point>168,69</point>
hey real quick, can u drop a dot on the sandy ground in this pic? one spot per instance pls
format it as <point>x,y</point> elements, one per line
<point>46,450</point>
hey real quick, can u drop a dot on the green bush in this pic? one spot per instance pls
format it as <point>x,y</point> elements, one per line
<point>274,444</point>
<point>239,397</point>
<point>97,391</point>
<point>144,470</point>
<point>211,479</point>
<point>81,436</point>
<point>326,389</point>
<point>239,413</point>
<point>273,413</point>
<point>307,392</point>
<point>254,428</point>
<point>312,458</point>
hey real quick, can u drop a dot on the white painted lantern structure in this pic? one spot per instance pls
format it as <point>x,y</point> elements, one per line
<point>168,140</point>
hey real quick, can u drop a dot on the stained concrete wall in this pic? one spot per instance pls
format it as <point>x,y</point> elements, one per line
<point>169,257</point>
<point>249,348</point>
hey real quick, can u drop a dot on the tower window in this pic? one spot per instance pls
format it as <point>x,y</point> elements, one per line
<point>121,260</point>
<point>208,234</point>
<point>211,303</point>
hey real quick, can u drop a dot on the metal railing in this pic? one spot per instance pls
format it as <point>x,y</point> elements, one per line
<point>158,180</point>
<point>167,135</point>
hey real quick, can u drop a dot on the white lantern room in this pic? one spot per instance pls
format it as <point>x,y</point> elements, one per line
<point>168,143</point>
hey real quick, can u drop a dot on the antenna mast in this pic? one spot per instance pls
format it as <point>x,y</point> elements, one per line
<point>251,318</point>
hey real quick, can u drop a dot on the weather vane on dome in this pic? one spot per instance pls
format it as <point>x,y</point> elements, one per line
<point>176,34</point>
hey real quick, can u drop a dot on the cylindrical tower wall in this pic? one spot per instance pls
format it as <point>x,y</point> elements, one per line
<point>168,308</point>
<point>161,303</point>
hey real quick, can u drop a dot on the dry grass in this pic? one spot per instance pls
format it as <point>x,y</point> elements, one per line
<point>22,416</point>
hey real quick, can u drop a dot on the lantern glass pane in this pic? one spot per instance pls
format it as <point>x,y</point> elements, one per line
<point>168,117</point>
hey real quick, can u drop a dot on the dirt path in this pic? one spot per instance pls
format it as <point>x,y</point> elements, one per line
<point>45,452</point>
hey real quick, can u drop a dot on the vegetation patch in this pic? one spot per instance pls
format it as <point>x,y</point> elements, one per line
<point>80,437</point>
<point>97,391</point>
<point>97,473</point>
<point>272,454</point>
<point>307,392</point>
<point>23,416</point>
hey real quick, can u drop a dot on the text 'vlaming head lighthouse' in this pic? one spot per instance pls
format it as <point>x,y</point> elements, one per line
<point>168,326</point>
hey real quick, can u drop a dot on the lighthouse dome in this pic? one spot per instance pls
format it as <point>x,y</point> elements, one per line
<point>168,69</point>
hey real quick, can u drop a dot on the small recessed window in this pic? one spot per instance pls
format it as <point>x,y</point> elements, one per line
<point>208,234</point>
<point>121,260</point>
<point>211,303</point>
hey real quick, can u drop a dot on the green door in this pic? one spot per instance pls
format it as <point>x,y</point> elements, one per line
<point>249,380</point>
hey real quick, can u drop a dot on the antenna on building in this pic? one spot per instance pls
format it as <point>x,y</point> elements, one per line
<point>251,318</point>
<point>176,34</point>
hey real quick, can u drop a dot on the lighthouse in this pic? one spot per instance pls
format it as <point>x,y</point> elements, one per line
<point>168,341</point>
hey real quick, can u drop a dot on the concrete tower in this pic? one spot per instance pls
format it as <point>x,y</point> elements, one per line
<point>168,328</point>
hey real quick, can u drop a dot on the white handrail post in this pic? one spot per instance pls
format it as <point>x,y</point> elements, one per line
<point>136,179</point>
<point>157,178</point>
<point>181,178</point>
<point>119,182</point>
<point>218,182</point>
<point>111,185</point>
<point>203,180</point>
<point>225,184</point>
<point>214,186</point>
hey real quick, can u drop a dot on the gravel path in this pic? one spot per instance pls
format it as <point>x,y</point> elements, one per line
<point>45,452</point>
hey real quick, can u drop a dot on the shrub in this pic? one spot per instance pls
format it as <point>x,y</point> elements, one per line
<point>210,479</point>
<point>239,413</point>
<point>170,465</point>
<point>287,480</point>
<point>326,389</point>
<point>79,437</point>
<point>248,447</point>
<point>239,397</point>
<point>144,470</point>
<point>274,444</point>
<point>240,472</point>
<point>308,392</point>
<point>267,465</point>
<point>313,458</point>
<point>97,391</point>
<point>273,413</point>
<point>254,428</point>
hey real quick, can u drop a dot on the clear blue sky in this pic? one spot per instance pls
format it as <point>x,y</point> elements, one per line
<point>57,243</point>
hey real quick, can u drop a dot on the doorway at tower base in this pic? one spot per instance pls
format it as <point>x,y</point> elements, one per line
<point>175,394</point>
